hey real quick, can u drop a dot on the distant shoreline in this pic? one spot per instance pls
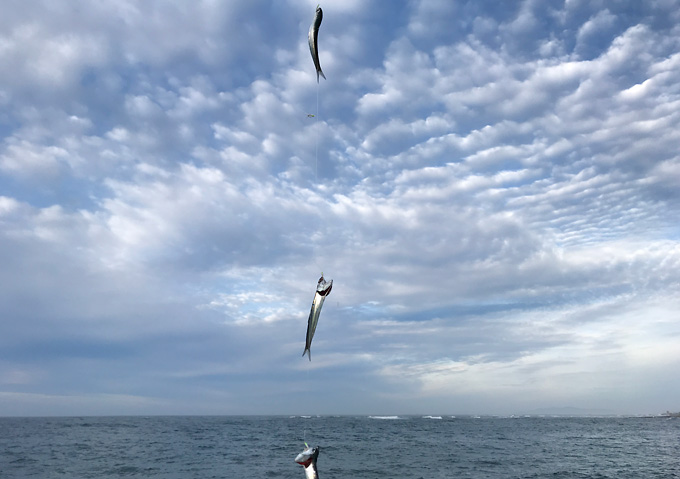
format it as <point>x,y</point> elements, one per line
<point>534,414</point>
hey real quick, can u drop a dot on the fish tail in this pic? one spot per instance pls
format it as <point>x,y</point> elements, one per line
<point>317,79</point>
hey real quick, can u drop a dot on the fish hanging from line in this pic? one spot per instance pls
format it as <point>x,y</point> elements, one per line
<point>323,289</point>
<point>312,37</point>
<point>307,459</point>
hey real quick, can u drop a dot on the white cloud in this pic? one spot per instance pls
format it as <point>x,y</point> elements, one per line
<point>607,347</point>
<point>25,159</point>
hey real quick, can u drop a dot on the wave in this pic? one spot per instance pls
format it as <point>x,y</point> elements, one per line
<point>384,417</point>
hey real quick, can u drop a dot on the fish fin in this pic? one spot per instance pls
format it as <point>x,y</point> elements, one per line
<point>320,73</point>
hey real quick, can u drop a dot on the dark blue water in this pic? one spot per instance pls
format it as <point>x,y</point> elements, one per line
<point>351,447</point>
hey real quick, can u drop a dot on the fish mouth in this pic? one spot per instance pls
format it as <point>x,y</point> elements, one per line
<point>307,457</point>
<point>325,289</point>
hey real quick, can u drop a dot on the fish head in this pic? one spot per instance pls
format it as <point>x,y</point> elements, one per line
<point>308,457</point>
<point>324,288</point>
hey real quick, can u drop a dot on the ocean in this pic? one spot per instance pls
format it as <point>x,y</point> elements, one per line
<point>351,447</point>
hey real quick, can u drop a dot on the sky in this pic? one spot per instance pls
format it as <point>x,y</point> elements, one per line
<point>494,192</point>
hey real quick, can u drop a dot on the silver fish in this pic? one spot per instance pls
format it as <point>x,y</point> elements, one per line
<point>323,289</point>
<point>307,458</point>
<point>312,37</point>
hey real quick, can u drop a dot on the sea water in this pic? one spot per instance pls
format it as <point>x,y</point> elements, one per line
<point>351,447</point>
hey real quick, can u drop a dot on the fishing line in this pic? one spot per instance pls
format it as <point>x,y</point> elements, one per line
<point>316,159</point>
<point>304,432</point>
<point>316,137</point>
<point>316,156</point>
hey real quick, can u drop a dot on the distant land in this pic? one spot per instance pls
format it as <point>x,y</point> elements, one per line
<point>577,411</point>
<point>570,411</point>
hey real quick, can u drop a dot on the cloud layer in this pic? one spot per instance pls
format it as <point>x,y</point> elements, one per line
<point>494,193</point>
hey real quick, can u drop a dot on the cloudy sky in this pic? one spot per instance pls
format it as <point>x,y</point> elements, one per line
<point>494,191</point>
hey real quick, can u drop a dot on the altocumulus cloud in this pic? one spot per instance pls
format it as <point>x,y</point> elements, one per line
<point>493,192</point>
